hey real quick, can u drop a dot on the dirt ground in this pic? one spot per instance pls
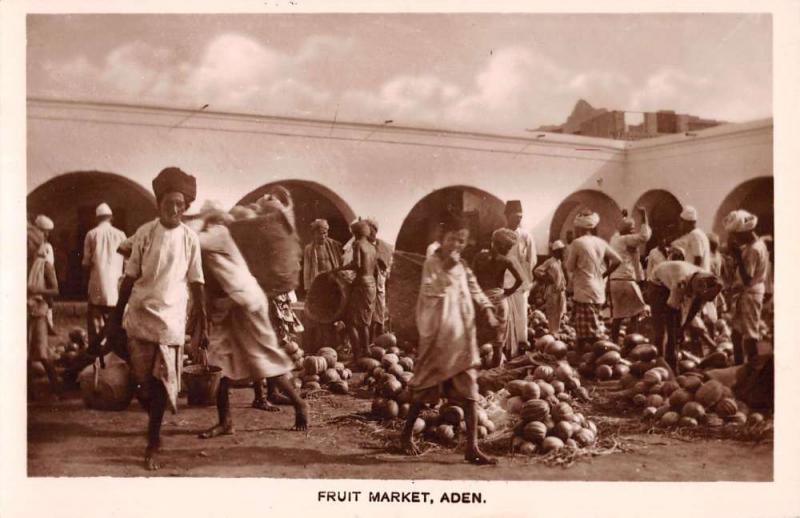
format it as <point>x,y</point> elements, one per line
<point>66,439</point>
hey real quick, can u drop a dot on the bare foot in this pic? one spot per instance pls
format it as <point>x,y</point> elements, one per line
<point>150,459</point>
<point>300,417</point>
<point>263,404</point>
<point>478,457</point>
<point>278,398</point>
<point>220,429</point>
<point>409,446</point>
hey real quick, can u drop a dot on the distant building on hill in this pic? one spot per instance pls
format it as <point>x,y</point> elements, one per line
<point>625,125</point>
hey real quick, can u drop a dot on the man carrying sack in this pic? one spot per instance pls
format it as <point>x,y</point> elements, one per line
<point>165,258</point>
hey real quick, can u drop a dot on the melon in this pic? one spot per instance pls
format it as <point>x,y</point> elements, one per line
<point>639,368</point>
<point>543,341</point>
<point>755,418</point>
<point>669,419</point>
<point>644,353</point>
<point>716,360</point>
<point>556,349</point>
<point>378,373</point>
<point>738,418</point>
<point>309,378</point>
<point>389,359</point>
<point>329,376</point>
<point>640,400</point>
<point>558,386</point>
<point>544,372</point>
<point>694,410</point>
<point>482,432</point>
<point>445,432</point>
<point>315,364</point>
<point>564,372</point>
<point>573,357</point>
<point>640,387</point>
<point>391,409</point>
<point>655,389</point>
<point>679,398</point>
<point>406,377</point>
<point>339,366</point>
<point>649,412</point>
<point>584,437</point>
<point>396,370</point>
<point>573,383</point>
<point>514,387</point>
<point>534,410</point>
<point>633,340</point>
<point>534,431</point>
<point>689,422</point>
<point>660,411</point>
<point>726,407</point>
<point>526,448</point>
<point>602,347</point>
<point>690,383</point>
<point>419,426</point>
<point>655,400</point>
<point>562,411</point>
<point>545,388</point>
<point>709,393</point>
<point>620,370</point>
<point>628,380</point>
<point>346,374</point>
<point>339,387</point>
<point>312,385</point>
<point>552,444</point>
<point>668,387</point>
<point>406,363</point>
<point>604,372</point>
<point>291,347</point>
<point>377,352</point>
<point>367,364</point>
<point>609,358</point>
<point>686,365</point>
<point>564,396</point>
<point>652,376</point>
<point>391,388</point>
<point>530,390</point>
<point>592,426</point>
<point>563,430</point>
<point>452,414</point>
<point>665,375</point>
<point>386,340</point>
<point>404,396</point>
<point>553,401</point>
<point>490,426</point>
<point>714,421</point>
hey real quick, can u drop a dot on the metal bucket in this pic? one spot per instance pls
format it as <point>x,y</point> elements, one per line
<point>202,384</point>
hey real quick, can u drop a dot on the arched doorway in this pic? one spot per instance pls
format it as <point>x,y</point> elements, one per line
<point>312,201</point>
<point>601,203</point>
<point>483,210</point>
<point>70,200</point>
<point>663,212</point>
<point>756,196</point>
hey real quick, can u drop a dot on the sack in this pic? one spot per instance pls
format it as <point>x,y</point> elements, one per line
<point>271,248</point>
<point>107,388</point>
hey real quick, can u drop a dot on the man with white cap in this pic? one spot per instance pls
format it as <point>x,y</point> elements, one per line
<point>523,255</point>
<point>555,293</point>
<point>45,225</point>
<point>751,260</point>
<point>590,261</point>
<point>104,266</point>
<point>627,301</point>
<point>693,241</point>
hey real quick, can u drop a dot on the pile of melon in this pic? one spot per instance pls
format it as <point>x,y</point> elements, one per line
<point>324,370</point>
<point>538,327</point>
<point>388,374</point>
<point>546,422</point>
<point>688,400</point>
<point>446,424</point>
<point>295,352</point>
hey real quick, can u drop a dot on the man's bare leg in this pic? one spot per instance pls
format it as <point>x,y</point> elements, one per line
<point>473,453</point>
<point>407,443</point>
<point>157,406</point>
<point>225,424</point>
<point>261,402</point>
<point>284,383</point>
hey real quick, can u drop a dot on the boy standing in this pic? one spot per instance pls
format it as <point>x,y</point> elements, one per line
<point>447,358</point>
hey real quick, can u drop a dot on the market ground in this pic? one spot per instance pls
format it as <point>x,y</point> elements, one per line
<point>66,439</point>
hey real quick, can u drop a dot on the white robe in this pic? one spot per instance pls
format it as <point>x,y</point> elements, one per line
<point>523,254</point>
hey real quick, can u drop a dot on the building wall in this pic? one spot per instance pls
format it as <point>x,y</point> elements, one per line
<point>383,171</point>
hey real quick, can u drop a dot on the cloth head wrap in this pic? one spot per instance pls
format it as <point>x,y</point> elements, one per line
<point>42,222</point>
<point>557,245</point>
<point>504,237</point>
<point>689,213</point>
<point>103,210</point>
<point>626,225</point>
<point>372,222</point>
<point>360,228</point>
<point>173,179</point>
<point>320,224</point>
<point>740,221</point>
<point>587,219</point>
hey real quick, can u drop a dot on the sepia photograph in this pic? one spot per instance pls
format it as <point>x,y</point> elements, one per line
<point>456,247</point>
<point>381,246</point>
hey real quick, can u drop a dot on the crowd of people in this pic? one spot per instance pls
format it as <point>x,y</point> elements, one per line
<point>179,275</point>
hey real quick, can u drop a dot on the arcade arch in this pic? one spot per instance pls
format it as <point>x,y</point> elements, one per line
<point>663,211</point>
<point>756,196</point>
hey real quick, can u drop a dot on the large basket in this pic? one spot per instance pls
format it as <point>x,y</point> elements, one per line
<point>202,384</point>
<point>326,300</point>
<point>109,387</point>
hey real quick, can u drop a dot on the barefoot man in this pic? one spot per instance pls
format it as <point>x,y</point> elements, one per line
<point>164,266</point>
<point>448,358</point>
<point>242,340</point>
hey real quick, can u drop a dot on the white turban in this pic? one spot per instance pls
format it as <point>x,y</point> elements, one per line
<point>689,213</point>
<point>587,219</point>
<point>740,221</point>
<point>102,210</point>
<point>43,222</point>
<point>557,245</point>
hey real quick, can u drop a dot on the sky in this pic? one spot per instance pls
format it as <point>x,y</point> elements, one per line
<point>481,72</point>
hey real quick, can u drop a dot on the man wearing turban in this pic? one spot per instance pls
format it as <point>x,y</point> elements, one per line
<point>627,301</point>
<point>45,226</point>
<point>321,255</point>
<point>385,254</point>
<point>751,263</point>
<point>693,241</point>
<point>164,266</point>
<point>590,261</point>
<point>523,255</point>
<point>551,272</point>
